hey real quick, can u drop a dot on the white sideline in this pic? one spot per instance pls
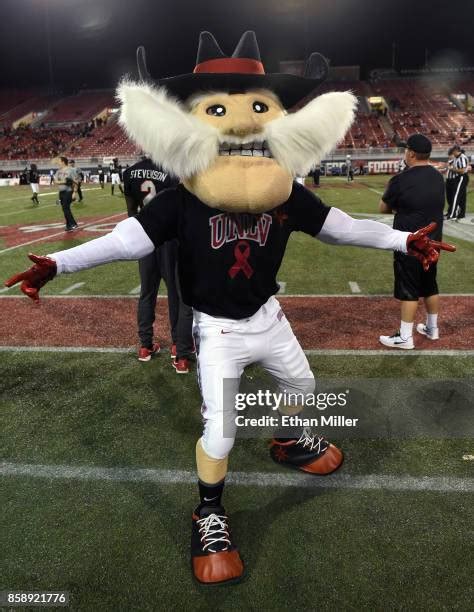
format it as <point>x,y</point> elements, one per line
<point>322,352</point>
<point>71,288</point>
<point>285,296</point>
<point>44,238</point>
<point>383,482</point>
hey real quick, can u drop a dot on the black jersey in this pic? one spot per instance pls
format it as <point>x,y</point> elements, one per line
<point>33,176</point>
<point>228,262</point>
<point>416,195</point>
<point>144,180</point>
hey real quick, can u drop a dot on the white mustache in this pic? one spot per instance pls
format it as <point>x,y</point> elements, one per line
<point>184,146</point>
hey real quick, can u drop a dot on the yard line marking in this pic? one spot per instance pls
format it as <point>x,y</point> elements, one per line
<point>44,238</point>
<point>5,289</point>
<point>322,352</point>
<point>41,195</point>
<point>72,288</point>
<point>391,353</point>
<point>468,457</point>
<point>31,208</point>
<point>67,349</point>
<point>282,286</point>
<point>373,482</point>
<point>135,290</point>
<point>354,287</point>
<point>104,296</point>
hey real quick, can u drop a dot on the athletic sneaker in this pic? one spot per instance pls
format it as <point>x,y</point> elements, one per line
<point>309,453</point>
<point>173,351</point>
<point>145,354</point>
<point>181,366</point>
<point>430,332</point>
<point>396,341</point>
<point>214,556</point>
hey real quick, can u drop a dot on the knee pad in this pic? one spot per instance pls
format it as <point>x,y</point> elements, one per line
<point>211,470</point>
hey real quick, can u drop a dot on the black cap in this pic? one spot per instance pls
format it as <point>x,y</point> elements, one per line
<point>417,143</point>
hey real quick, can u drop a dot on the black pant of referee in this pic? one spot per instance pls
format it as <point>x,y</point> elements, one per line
<point>458,210</point>
<point>451,184</point>
<point>162,264</point>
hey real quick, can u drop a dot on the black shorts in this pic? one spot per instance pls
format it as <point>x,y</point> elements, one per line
<point>411,281</point>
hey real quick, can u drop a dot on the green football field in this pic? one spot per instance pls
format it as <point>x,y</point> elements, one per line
<point>96,469</point>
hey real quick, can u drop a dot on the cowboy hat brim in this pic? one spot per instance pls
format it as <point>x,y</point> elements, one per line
<point>290,88</point>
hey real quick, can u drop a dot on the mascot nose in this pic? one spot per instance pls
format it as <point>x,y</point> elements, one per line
<point>244,127</point>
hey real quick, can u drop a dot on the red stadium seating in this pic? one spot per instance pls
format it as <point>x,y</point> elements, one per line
<point>83,107</point>
<point>414,105</point>
<point>109,140</point>
<point>425,106</point>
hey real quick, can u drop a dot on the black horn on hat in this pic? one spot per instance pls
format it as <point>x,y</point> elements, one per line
<point>316,67</point>
<point>247,46</point>
<point>143,72</point>
<point>208,48</point>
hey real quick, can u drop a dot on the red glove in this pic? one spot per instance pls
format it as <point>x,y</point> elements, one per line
<point>35,277</point>
<point>425,249</point>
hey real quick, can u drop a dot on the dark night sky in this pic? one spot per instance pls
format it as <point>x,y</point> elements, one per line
<point>93,41</point>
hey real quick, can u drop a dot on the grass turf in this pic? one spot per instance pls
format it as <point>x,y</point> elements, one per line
<point>110,410</point>
<point>309,266</point>
<point>124,546</point>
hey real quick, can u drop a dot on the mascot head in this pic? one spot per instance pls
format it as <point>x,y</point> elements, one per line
<point>224,129</point>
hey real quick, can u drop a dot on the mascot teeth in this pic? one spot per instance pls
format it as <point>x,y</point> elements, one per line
<point>247,149</point>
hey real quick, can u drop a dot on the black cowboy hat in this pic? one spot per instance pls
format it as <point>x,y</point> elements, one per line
<point>244,70</point>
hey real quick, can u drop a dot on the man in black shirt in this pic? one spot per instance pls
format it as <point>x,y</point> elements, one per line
<point>33,178</point>
<point>142,182</point>
<point>416,196</point>
<point>100,172</point>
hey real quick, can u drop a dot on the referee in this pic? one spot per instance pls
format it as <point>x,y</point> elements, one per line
<point>460,169</point>
<point>451,181</point>
<point>416,196</point>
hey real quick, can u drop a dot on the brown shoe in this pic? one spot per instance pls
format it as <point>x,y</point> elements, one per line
<point>215,559</point>
<point>310,453</point>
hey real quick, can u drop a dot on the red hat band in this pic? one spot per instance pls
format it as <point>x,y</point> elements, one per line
<point>229,65</point>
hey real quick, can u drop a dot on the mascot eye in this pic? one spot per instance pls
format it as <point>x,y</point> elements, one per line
<point>218,110</point>
<point>260,107</point>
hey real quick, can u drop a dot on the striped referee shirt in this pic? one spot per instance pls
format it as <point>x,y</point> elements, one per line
<point>460,162</point>
<point>451,174</point>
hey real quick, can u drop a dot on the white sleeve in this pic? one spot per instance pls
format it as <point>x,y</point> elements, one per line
<point>128,240</point>
<point>340,228</point>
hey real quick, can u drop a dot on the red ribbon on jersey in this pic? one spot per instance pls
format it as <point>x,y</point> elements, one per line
<point>241,254</point>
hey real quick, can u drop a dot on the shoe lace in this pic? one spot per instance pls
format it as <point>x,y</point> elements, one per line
<point>313,441</point>
<point>214,529</point>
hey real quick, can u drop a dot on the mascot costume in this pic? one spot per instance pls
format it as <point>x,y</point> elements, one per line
<point>224,130</point>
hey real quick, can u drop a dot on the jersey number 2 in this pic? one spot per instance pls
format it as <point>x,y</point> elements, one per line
<point>149,188</point>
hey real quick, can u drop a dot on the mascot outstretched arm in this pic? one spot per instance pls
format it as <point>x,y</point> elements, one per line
<point>225,131</point>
